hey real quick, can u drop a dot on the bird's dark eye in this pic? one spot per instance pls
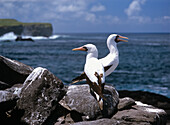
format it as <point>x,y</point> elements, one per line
<point>116,39</point>
<point>85,48</point>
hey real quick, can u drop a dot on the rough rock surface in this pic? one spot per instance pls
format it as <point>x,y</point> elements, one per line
<point>99,122</point>
<point>37,30</point>
<point>125,103</point>
<point>153,99</point>
<point>143,114</point>
<point>12,72</point>
<point>8,100</point>
<point>39,96</point>
<point>79,99</point>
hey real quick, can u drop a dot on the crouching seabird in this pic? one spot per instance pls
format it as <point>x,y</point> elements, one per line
<point>111,61</point>
<point>94,72</point>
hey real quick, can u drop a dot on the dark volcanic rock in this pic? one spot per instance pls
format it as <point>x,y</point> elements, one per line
<point>8,100</point>
<point>13,72</point>
<point>142,114</point>
<point>147,97</point>
<point>37,30</point>
<point>156,100</point>
<point>99,122</point>
<point>3,85</point>
<point>125,103</point>
<point>39,96</point>
<point>79,99</point>
<point>19,38</point>
<point>9,97</point>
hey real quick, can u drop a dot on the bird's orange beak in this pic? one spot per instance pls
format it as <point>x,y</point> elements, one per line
<point>79,49</point>
<point>123,37</point>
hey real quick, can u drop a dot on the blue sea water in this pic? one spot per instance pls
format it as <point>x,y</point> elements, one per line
<point>144,61</point>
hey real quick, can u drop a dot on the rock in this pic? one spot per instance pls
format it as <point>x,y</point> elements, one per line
<point>125,103</point>
<point>37,29</point>
<point>8,97</point>
<point>39,96</point>
<point>99,122</point>
<point>3,85</point>
<point>12,72</point>
<point>8,100</point>
<point>79,99</point>
<point>143,114</point>
<point>26,29</point>
<point>19,38</point>
<point>156,100</point>
<point>147,97</point>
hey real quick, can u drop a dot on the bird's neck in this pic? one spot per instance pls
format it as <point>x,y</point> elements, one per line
<point>92,55</point>
<point>113,49</point>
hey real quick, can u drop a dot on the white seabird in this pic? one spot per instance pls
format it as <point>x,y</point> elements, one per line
<point>94,72</point>
<point>111,61</point>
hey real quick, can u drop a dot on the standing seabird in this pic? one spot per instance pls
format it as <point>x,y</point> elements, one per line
<point>111,61</point>
<point>94,72</point>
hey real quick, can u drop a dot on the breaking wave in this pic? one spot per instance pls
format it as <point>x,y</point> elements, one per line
<point>11,36</point>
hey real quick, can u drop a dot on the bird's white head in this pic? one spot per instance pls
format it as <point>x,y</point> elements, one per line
<point>113,39</point>
<point>89,48</point>
<point>116,38</point>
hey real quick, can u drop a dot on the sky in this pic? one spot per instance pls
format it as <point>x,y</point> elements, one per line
<point>73,16</point>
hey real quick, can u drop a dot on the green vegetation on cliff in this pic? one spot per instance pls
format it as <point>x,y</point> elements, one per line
<point>20,28</point>
<point>13,22</point>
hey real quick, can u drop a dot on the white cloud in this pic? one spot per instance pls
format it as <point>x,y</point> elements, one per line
<point>134,8</point>
<point>133,12</point>
<point>166,17</point>
<point>56,11</point>
<point>97,8</point>
<point>90,17</point>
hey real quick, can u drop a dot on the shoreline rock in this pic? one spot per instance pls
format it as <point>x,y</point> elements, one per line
<point>78,98</point>
<point>39,96</point>
<point>12,72</point>
<point>42,98</point>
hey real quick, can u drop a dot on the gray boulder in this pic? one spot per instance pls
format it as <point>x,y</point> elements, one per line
<point>39,96</point>
<point>12,72</point>
<point>80,100</point>
<point>99,122</point>
<point>9,97</point>
<point>142,114</point>
<point>125,103</point>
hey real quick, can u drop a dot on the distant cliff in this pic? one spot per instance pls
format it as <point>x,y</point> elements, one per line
<point>27,29</point>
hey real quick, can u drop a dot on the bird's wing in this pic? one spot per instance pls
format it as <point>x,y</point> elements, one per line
<point>110,62</point>
<point>107,67</point>
<point>96,88</point>
<point>79,78</point>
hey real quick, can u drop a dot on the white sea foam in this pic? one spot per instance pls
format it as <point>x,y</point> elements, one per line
<point>11,36</point>
<point>8,36</point>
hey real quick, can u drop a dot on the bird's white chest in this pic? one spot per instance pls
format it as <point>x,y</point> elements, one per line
<point>93,65</point>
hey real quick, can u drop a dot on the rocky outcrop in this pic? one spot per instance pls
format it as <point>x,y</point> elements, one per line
<point>8,98</point>
<point>153,99</point>
<point>12,72</point>
<point>42,99</point>
<point>79,99</point>
<point>136,113</point>
<point>39,96</point>
<point>141,114</point>
<point>37,30</point>
<point>28,29</point>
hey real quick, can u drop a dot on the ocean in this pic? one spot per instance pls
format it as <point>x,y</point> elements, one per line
<point>144,61</point>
